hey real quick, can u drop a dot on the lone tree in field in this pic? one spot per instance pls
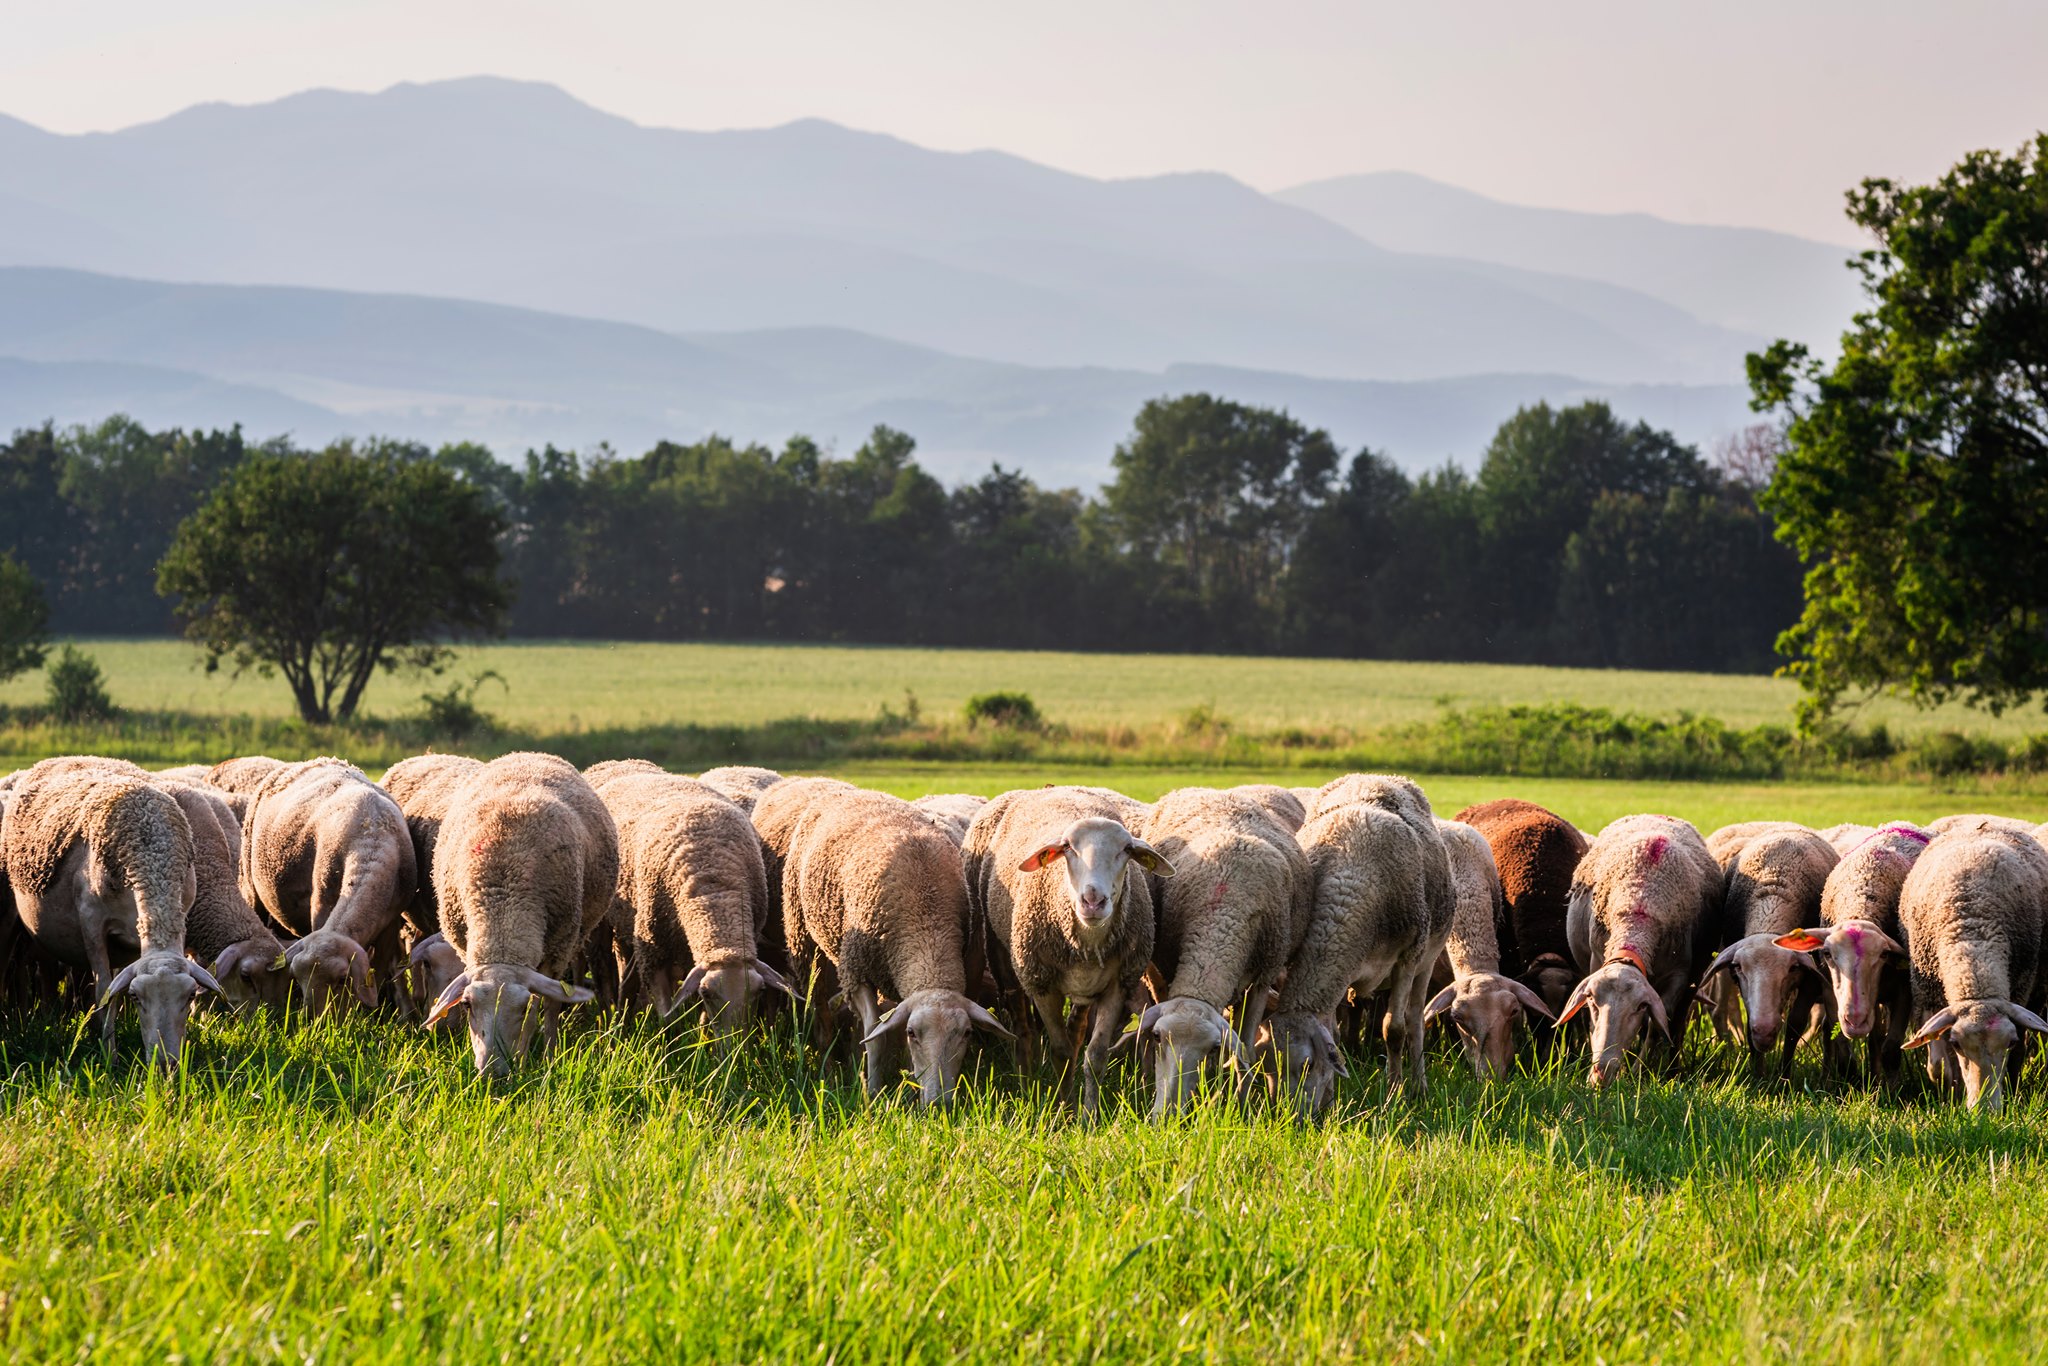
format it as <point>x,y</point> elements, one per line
<point>328,567</point>
<point>24,619</point>
<point>1914,481</point>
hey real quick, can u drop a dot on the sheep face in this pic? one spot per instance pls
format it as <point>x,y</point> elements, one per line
<point>932,1026</point>
<point>1184,1034</point>
<point>1306,1060</point>
<point>326,964</point>
<point>1096,854</point>
<point>728,990</point>
<point>1552,978</point>
<point>163,984</point>
<point>1978,1035</point>
<point>1856,954</point>
<point>1483,1008</point>
<point>433,964</point>
<point>250,976</point>
<point>1768,976</point>
<point>505,1001</point>
<point>1620,1001</point>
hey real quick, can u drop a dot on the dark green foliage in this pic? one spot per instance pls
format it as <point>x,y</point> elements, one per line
<point>1014,710</point>
<point>1915,480</point>
<point>78,690</point>
<point>24,619</point>
<point>453,711</point>
<point>328,567</point>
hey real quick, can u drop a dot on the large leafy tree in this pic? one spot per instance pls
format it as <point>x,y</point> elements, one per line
<point>24,619</point>
<point>329,567</point>
<point>1914,482</point>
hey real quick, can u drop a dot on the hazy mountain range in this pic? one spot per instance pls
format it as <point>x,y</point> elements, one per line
<point>457,244</point>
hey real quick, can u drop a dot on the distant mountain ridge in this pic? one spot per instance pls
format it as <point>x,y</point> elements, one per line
<point>75,347</point>
<point>514,193</point>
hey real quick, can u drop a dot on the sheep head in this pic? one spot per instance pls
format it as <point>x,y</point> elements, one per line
<point>505,1001</point>
<point>430,967</point>
<point>1768,976</point>
<point>1483,1008</point>
<point>1306,1060</point>
<point>1183,1034</point>
<point>728,990</point>
<point>1552,977</point>
<point>1979,1034</point>
<point>933,1025</point>
<point>327,963</point>
<point>1096,854</point>
<point>163,985</point>
<point>250,974</point>
<point>1856,954</point>
<point>1619,999</point>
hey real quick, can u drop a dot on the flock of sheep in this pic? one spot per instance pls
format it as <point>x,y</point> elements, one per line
<point>1255,932</point>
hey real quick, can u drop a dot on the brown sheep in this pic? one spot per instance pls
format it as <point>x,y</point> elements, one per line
<point>525,867</point>
<point>1535,852</point>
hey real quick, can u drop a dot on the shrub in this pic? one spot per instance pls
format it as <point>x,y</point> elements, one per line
<point>454,712</point>
<point>1952,754</point>
<point>78,690</point>
<point>1006,710</point>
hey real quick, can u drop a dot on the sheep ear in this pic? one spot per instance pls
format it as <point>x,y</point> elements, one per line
<point>1440,1003</point>
<point>554,989</point>
<point>2024,1018</point>
<point>893,1022</point>
<point>1149,1020</point>
<point>1529,999</point>
<point>1581,997</point>
<point>692,984</point>
<point>456,993</point>
<point>1238,1052</point>
<point>1724,960</point>
<point>202,976</point>
<point>122,980</point>
<point>359,977</point>
<point>1802,941</point>
<point>1887,944</point>
<point>1337,1062</point>
<point>1150,859</point>
<point>1943,1021</point>
<point>426,946</point>
<point>983,1020</point>
<point>1657,1014</point>
<point>1043,857</point>
<point>768,977</point>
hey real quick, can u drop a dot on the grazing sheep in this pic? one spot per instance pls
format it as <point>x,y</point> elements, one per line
<point>1971,909</point>
<point>98,860</point>
<point>1049,874</point>
<point>185,773</point>
<point>739,783</point>
<point>525,867</point>
<point>1724,844</point>
<point>1859,941</point>
<point>1482,1003</point>
<point>872,884</point>
<point>951,812</point>
<point>1284,804</point>
<point>1979,821</point>
<point>775,816</point>
<point>221,930</point>
<point>1847,835</point>
<point>1382,910</point>
<point>1773,885</point>
<point>1229,920</point>
<point>326,853</point>
<point>431,965</point>
<point>692,899</point>
<point>1535,852</point>
<point>422,787</point>
<point>239,779</point>
<point>1645,903</point>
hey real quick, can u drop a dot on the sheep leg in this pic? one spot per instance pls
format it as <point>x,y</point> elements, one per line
<point>1106,1022</point>
<point>878,1052</point>
<point>1052,1012</point>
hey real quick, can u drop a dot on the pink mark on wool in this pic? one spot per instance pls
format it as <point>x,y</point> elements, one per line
<point>1655,850</point>
<point>1639,911</point>
<point>1216,897</point>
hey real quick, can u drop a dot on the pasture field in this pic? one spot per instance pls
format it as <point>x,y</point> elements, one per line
<point>566,686</point>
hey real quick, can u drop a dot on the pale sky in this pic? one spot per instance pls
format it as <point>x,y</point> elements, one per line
<point>1724,111</point>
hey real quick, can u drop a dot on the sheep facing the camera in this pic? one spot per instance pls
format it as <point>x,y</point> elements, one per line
<point>1481,1002</point>
<point>1774,882</point>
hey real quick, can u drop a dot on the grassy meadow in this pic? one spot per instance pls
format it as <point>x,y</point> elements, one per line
<point>346,1190</point>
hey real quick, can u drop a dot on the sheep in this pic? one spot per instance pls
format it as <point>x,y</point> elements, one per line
<point>244,954</point>
<point>185,773</point>
<point>1535,852</point>
<point>1229,920</point>
<point>1645,902</point>
<point>1724,844</point>
<point>1978,821</point>
<point>1049,875</point>
<point>1773,882</point>
<point>239,779</point>
<point>1284,804</point>
<point>1483,1004</point>
<point>1382,909</point>
<point>692,900</point>
<point>1847,835</point>
<point>526,866</point>
<point>1971,909</point>
<point>422,786</point>
<point>741,784</point>
<point>1858,940</point>
<point>96,859</point>
<point>951,812</point>
<point>327,854</point>
<point>873,885</point>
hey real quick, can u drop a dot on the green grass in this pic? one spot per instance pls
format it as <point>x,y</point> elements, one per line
<point>593,686</point>
<point>349,1192</point>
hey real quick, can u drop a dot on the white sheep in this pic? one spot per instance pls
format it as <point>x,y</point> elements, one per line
<point>1482,1003</point>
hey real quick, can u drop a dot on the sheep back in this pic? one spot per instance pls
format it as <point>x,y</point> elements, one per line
<point>1241,893</point>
